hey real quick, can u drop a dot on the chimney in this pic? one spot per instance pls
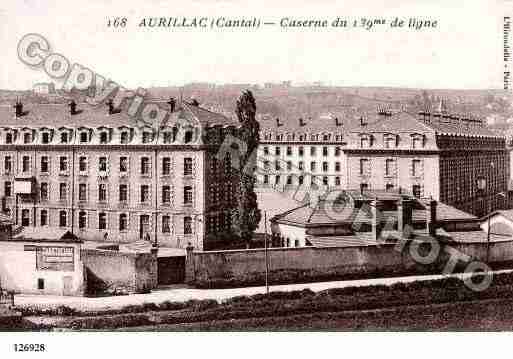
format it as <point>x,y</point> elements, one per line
<point>405,217</point>
<point>172,104</point>
<point>18,108</point>
<point>72,107</point>
<point>431,219</point>
<point>337,122</point>
<point>110,103</point>
<point>376,218</point>
<point>278,122</point>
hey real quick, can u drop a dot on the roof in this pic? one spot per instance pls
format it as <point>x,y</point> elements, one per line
<point>308,215</point>
<point>58,115</point>
<point>44,234</point>
<point>412,123</point>
<point>506,213</point>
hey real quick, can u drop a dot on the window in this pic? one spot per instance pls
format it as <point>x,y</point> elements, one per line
<point>104,137</point>
<point>8,138</point>
<point>188,137</point>
<point>337,181</point>
<point>40,283</point>
<point>63,191</point>
<point>43,217</point>
<point>102,192</point>
<point>337,151</point>
<point>82,164</point>
<point>313,166</point>
<point>44,164</point>
<point>146,137</point>
<point>187,225</point>
<point>123,192</point>
<point>416,142</point>
<point>364,166</point>
<point>25,165</point>
<point>166,194</point>
<point>325,151</point>
<point>166,224</point>
<point>25,217</point>
<point>43,191</point>
<point>312,151</point>
<point>123,137</point>
<point>277,180</point>
<point>267,165</point>
<point>301,151</point>
<point>123,222</point>
<point>325,166</point>
<point>289,151</point>
<point>389,167</point>
<point>277,165</point>
<point>63,163</point>
<point>277,151</point>
<point>123,164</point>
<point>166,166</point>
<point>145,193</point>
<point>8,164</point>
<point>416,190</point>
<point>289,180</point>
<point>325,180</point>
<point>167,137</point>
<point>84,137</point>
<point>416,168</point>
<point>187,195</point>
<point>7,189</point>
<point>45,137</point>
<point>102,164</point>
<point>82,192</point>
<point>27,138</point>
<point>266,179</point>
<point>337,166</point>
<point>266,150</point>
<point>365,142</point>
<point>102,221</point>
<point>82,219</point>
<point>363,187</point>
<point>289,165</point>
<point>187,166</point>
<point>300,165</point>
<point>389,187</point>
<point>64,137</point>
<point>145,165</point>
<point>300,180</point>
<point>63,218</point>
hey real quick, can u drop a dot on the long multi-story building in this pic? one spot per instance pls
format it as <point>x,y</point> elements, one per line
<point>95,172</point>
<point>453,159</point>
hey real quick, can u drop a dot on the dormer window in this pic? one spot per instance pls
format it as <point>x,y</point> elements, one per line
<point>124,138</point>
<point>27,138</point>
<point>302,137</point>
<point>9,138</point>
<point>390,141</point>
<point>365,141</point>
<point>417,141</point>
<point>45,137</point>
<point>167,137</point>
<point>188,137</point>
<point>326,137</point>
<point>64,137</point>
<point>84,137</point>
<point>104,137</point>
<point>146,137</point>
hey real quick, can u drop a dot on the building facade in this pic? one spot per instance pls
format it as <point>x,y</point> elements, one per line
<point>95,172</point>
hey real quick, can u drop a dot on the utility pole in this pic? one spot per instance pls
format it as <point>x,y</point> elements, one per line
<point>266,255</point>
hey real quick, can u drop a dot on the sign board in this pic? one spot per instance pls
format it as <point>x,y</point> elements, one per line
<point>55,258</point>
<point>23,186</point>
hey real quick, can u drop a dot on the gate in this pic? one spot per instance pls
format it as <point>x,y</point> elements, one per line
<point>171,270</point>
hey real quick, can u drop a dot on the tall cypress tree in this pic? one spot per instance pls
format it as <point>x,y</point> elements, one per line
<point>247,215</point>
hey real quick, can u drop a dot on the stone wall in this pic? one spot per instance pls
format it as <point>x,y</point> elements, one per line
<point>286,265</point>
<point>117,272</point>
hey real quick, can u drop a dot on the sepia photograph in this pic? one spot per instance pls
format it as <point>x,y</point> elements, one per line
<point>248,167</point>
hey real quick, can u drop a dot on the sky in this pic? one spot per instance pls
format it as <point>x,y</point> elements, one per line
<point>463,52</point>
